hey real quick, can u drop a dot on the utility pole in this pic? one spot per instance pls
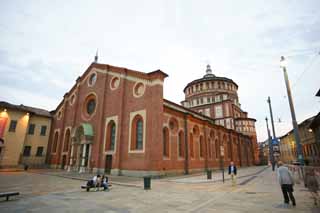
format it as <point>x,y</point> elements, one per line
<point>271,116</point>
<point>293,114</point>
<point>274,134</point>
<point>270,144</point>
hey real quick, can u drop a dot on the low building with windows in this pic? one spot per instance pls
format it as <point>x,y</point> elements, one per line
<point>264,155</point>
<point>310,148</point>
<point>315,124</point>
<point>24,135</point>
<point>115,120</point>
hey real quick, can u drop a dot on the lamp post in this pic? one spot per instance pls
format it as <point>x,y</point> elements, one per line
<point>270,145</point>
<point>293,114</point>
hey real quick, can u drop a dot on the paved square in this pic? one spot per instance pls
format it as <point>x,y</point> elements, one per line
<point>49,193</point>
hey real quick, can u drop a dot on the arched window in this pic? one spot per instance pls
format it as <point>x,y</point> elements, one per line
<point>209,148</point>
<point>217,148</point>
<point>55,142</point>
<point>66,141</point>
<point>111,136</point>
<point>137,133</point>
<point>191,146</point>
<point>165,141</point>
<point>201,145</point>
<point>181,144</point>
<point>229,149</point>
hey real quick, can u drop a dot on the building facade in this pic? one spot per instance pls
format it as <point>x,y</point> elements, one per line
<point>115,120</point>
<point>264,155</point>
<point>24,135</point>
<point>310,148</point>
<point>217,98</point>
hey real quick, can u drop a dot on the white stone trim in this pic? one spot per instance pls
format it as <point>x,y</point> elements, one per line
<point>143,114</point>
<point>64,137</point>
<point>110,84</point>
<point>84,115</point>
<point>108,119</point>
<point>134,88</point>
<point>131,78</point>
<point>92,72</point>
<point>55,131</point>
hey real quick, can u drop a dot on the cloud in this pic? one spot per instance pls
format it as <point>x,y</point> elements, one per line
<point>44,47</point>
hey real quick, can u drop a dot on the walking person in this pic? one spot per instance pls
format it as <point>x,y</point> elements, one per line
<point>233,173</point>
<point>286,181</point>
<point>313,185</point>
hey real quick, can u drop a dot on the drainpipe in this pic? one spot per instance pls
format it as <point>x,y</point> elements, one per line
<point>186,150</point>
<point>206,148</point>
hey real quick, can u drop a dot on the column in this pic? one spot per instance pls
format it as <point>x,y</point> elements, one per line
<point>71,159</point>
<point>82,168</point>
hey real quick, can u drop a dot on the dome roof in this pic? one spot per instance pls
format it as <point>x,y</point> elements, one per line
<point>209,77</point>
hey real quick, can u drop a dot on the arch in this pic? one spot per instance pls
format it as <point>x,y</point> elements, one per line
<point>66,140</point>
<point>201,147</point>
<point>230,148</point>
<point>217,148</point>
<point>191,146</point>
<point>196,130</point>
<point>209,148</point>
<point>181,144</point>
<point>173,124</point>
<point>111,136</point>
<point>165,142</point>
<point>225,146</point>
<point>211,134</point>
<point>137,133</point>
<point>55,142</point>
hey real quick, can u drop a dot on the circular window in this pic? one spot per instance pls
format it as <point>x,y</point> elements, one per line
<point>138,89</point>
<point>89,106</point>
<point>59,115</point>
<point>92,79</point>
<point>73,97</point>
<point>115,82</point>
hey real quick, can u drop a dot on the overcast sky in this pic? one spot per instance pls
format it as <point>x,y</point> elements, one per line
<point>46,45</point>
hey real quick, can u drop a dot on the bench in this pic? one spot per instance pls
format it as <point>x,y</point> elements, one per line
<point>8,194</point>
<point>89,187</point>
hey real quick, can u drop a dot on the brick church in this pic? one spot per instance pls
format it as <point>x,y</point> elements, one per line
<point>115,120</point>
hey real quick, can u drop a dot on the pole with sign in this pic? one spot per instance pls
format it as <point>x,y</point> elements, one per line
<point>221,161</point>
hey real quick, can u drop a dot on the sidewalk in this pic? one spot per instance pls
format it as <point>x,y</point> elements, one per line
<point>217,175</point>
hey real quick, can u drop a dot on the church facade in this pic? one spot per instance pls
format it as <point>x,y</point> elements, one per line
<point>115,120</point>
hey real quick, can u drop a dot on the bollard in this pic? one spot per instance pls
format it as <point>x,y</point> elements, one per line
<point>147,182</point>
<point>26,167</point>
<point>209,174</point>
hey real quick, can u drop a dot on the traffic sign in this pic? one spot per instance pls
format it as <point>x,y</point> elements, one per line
<point>275,141</point>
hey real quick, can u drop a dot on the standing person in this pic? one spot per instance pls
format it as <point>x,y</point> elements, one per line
<point>233,173</point>
<point>286,181</point>
<point>312,185</point>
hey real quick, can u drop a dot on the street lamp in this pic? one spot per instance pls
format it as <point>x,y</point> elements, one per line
<point>293,114</point>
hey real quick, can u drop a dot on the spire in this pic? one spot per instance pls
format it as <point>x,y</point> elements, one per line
<point>208,72</point>
<point>96,57</point>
